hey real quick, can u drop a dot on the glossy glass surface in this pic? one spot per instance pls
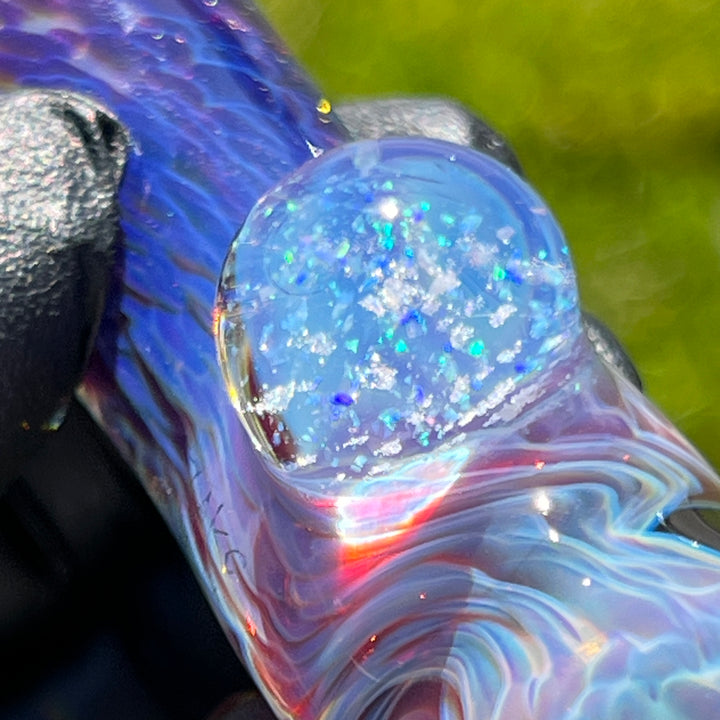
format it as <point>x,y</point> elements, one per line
<point>515,569</point>
<point>387,297</point>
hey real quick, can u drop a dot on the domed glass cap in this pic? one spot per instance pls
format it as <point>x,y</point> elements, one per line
<point>387,296</point>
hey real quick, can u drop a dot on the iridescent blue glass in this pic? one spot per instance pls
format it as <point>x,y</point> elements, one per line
<point>407,484</point>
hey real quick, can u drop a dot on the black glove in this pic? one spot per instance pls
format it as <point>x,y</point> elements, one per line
<point>99,614</point>
<point>61,160</point>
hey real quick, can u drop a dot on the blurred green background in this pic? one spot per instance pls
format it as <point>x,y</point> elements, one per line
<point>613,107</point>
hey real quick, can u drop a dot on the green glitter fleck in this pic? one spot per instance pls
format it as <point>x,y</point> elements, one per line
<point>289,256</point>
<point>424,438</point>
<point>291,206</point>
<point>388,185</point>
<point>352,345</point>
<point>448,219</point>
<point>343,249</point>
<point>542,254</point>
<point>389,419</point>
<point>498,273</point>
<point>442,360</point>
<point>401,346</point>
<point>267,212</point>
<point>477,348</point>
<point>389,333</point>
<point>443,241</point>
<point>425,206</point>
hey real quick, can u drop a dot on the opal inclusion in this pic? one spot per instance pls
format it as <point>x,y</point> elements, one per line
<point>387,296</point>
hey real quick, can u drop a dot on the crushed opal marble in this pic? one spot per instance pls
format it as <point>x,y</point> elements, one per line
<point>387,295</point>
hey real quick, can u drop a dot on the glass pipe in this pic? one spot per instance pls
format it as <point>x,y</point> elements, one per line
<point>409,487</point>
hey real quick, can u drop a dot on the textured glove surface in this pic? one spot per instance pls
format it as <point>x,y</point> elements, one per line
<point>61,160</point>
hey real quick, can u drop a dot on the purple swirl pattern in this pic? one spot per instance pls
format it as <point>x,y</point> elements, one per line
<point>530,582</point>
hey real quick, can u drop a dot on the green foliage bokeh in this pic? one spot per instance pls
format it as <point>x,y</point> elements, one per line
<point>613,107</point>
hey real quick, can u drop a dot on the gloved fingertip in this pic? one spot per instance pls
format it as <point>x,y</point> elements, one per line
<point>438,118</point>
<point>609,348</point>
<point>61,160</point>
